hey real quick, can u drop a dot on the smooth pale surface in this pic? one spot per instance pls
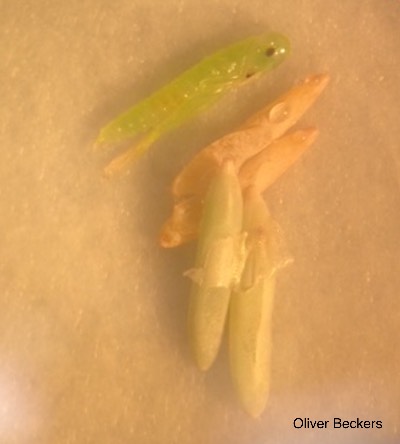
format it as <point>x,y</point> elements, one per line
<point>217,262</point>
<point>92,319</point>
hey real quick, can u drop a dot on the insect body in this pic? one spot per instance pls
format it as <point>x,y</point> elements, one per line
<point>191,92</point>
<point>258,141</point>
<point>240,246</point>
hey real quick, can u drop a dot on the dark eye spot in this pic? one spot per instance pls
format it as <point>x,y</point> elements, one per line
<point>270,51</point>
<point>249,74</point>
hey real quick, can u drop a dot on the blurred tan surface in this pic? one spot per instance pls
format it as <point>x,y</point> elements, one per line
<point>92,319</point>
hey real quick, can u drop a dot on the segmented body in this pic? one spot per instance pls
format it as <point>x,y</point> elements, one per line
<point>240,247</point>
<point>258,141</point>
<point>195,89</point>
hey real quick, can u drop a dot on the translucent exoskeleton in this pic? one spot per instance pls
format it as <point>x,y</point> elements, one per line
<point>193,91</point>
<point>240,247</point>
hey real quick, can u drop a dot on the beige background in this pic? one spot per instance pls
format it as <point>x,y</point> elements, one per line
<point>92,317</point>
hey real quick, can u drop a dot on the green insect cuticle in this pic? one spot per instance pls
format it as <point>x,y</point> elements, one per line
<point>190,93</point>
